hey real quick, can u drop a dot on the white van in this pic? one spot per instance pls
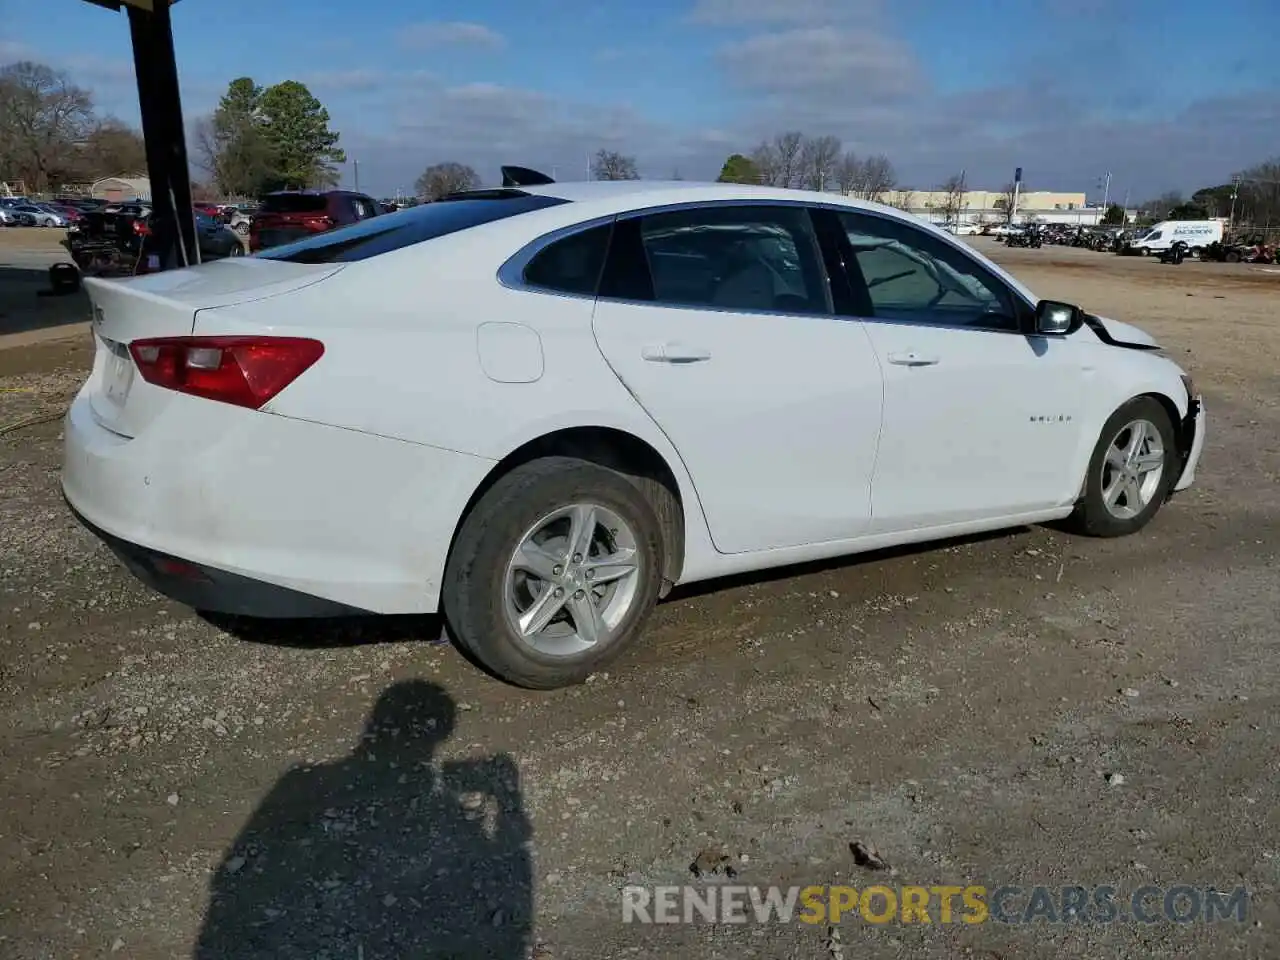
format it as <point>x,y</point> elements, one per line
<point>1194,233</point>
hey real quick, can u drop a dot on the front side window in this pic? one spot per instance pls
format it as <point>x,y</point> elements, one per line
<point>735,257</point>
<point>902,273</point>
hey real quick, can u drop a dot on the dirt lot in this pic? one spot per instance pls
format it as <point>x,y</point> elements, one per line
<point>1020,709</point>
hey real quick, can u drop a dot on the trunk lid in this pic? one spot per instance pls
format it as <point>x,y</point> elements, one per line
<point>165,305</point>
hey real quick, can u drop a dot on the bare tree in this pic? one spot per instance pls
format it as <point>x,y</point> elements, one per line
<point>611,165</point>
<point>441,179</point>
<point>904,200</point>
<point>878,177</point>
<point>952,190</point>
<point>1007,200</point>
<point>787,146</point>
<point>766,163</point>
<point>818,161</point>
<point>1158,209</point>
<point>848,173</point>
<point>779,160</point>
<point>1259,194</point>
<point>43,117</point>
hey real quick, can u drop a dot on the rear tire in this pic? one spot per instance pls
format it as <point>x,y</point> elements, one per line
<point>527,520</point>
<point>1119,498</point>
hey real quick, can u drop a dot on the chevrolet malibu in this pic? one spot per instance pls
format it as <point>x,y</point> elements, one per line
<point>535,409</point>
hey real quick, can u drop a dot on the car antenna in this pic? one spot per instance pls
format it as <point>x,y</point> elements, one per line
<point>523,177</point>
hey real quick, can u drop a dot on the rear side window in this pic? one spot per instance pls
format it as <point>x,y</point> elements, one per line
<point>294,203</point>
<point>572,264</point>
<point>730,257</point>
<point>393,231</point>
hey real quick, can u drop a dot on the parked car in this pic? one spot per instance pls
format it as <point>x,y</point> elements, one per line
<point>118,239</point>
<point>40,215</point>
<point>217,239</point>
<point>7,218</point>
<point>72,214</point>
<point>239,220</point>
<point>287,216</point>
<point>537,408</point>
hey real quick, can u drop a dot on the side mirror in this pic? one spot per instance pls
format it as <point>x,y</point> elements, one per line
<point>1056,319</point>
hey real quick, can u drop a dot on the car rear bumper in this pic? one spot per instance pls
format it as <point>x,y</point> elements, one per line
<point>1193,426</point>
<point>216,506</point>
<point>209,589</point>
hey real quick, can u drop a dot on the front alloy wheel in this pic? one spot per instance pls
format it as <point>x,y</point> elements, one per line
<point>572,580</point>
<point>1133,469</point>
<point>1133,466</point>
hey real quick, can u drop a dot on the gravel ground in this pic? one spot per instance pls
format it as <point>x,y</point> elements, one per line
<point>1017,709</point>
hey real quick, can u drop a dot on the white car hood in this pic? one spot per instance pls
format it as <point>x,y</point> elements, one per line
<point>1127,333</point>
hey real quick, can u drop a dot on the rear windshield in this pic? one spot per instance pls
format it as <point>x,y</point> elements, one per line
<point>294,203</point>
<point>392,231</point>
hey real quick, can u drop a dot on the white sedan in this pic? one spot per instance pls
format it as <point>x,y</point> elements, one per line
<point>535,409</point>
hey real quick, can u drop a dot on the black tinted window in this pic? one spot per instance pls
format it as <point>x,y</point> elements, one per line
<point>378,235</point>
<point>571,265</point>
<point>748,257</point>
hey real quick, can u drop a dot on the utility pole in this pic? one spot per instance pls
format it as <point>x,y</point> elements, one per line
<point>356,164</point>
<point>1017,192</point>
<point>588,164</point>
<point>1235,192</point>
<point>1106,193</point>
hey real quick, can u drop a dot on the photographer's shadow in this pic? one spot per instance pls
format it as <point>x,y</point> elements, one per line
<point>382,854</point>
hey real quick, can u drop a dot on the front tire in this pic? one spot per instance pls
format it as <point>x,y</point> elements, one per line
<point>1130,473</point>
<point>553,572</point>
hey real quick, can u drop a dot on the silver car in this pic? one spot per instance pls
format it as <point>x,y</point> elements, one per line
<point>40,215</point>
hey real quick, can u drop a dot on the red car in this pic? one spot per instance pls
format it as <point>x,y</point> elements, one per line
<point>208,209</point>
<point>289,215</point>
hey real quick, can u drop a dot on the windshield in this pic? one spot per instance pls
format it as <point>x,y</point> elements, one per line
<point>392,231</point>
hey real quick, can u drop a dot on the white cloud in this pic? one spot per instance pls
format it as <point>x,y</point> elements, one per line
<point>826,62</point>
<point>426,36</point>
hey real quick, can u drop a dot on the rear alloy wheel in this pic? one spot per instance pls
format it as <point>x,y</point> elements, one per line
<point>553,572</point>
<point>242,229</point>
<point>236,250</point>
<point>1130,473</point>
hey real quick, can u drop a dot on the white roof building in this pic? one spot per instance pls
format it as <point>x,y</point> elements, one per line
<point>121,188</point>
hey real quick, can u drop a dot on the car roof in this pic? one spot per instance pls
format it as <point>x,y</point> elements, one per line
<point>629,194</point>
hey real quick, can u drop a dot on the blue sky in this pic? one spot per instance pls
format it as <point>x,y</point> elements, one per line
<point>1155,91</point>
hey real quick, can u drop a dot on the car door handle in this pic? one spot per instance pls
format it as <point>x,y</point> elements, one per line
<point>675,353</point>
<point>912,359</point>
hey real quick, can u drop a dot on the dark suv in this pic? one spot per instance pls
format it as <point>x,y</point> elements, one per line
<point>288,215</point>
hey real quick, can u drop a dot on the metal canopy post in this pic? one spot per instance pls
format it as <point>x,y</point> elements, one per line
<point>172,217</point>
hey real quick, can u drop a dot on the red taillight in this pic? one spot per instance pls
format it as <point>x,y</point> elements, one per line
<point>318,224</point>
<point>246,371</point>
<point>141,229</point>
